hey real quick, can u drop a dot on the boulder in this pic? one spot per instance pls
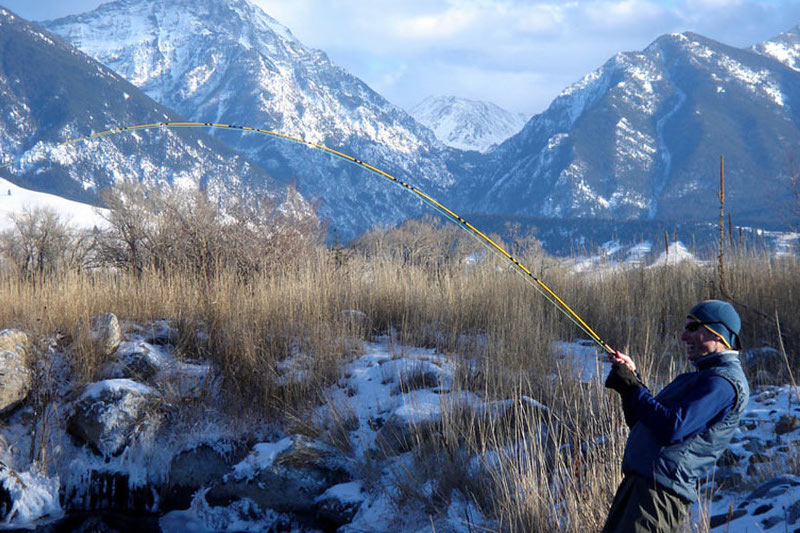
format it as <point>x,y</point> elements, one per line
<point>285,476</point>
<point>134,360</point>
<point>192,470</point>
<point>161,333</point>
<point>339,504</point>
<point>105,333</point>
<point>109,414</point>
<point>15,375</point>
<point>786,424</point>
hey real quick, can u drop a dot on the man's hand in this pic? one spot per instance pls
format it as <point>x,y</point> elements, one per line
<point>621,358</point>
<point>621,379</point>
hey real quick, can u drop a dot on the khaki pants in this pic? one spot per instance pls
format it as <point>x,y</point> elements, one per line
<point>641,507</point>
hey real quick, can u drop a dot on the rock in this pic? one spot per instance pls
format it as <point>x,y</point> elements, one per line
<point>105,333</point>
<point>722,519</point>
<point>161,333</point>
<point>109,414</point>
<point>133,361</point>
<point>286,476</point>
<point>195,469</point>
<point>767,523</point>
<point>787,423</point>
<point>773,487</point>
<point>728,458</point>
<point>15,375</point>
<point>340,503</point>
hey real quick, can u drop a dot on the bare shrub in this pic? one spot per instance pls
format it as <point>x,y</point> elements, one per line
<point>178,230</point>
<point>41,242</point>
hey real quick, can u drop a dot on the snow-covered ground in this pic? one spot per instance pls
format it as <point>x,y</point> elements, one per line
<point>389,384</point>
<point>15,200</point>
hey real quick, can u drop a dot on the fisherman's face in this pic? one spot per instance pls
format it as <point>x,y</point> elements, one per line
<point>700,342</point>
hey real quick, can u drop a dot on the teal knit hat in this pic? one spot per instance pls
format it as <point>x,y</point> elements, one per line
<point>721,318</point>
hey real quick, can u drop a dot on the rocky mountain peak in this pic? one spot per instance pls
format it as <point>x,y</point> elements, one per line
<point>467,124</point>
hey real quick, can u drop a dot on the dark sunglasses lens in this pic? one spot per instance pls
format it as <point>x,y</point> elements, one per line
<point>693,326</point>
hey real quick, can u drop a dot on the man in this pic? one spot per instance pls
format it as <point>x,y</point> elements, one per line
<point>677,436</point>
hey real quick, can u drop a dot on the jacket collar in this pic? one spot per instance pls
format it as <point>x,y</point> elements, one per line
<point>713,359</point>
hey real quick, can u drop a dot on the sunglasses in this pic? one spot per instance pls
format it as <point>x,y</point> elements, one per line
<point>691,327</point>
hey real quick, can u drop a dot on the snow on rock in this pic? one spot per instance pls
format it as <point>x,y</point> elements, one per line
<point>241,515</point>
<point>107,415</point>
<point>26,497</point>
<point>340,503</point>
<point>286,476</point>
<point>262,457</point>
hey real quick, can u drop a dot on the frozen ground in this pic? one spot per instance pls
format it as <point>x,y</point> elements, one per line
<point>760,491</point>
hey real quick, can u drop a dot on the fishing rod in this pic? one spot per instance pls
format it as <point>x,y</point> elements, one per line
<point>537,283</point>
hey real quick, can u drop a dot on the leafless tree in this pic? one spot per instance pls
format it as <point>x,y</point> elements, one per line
<point>41,242</point>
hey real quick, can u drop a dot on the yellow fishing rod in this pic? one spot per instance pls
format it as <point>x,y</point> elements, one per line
<point>538,284</point>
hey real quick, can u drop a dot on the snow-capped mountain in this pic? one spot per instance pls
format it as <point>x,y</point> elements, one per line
<point>467,124</point>
<point>641,138</point>
<point>50,93</point>
<point>228,61</point>
<point>784,47</point>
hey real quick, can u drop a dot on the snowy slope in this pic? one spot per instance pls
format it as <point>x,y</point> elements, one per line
<point>50,92</point>
<point>467,124</point>
<point>15,200</point>
<point>228,61</point>
<point>641,138</point>
<point>784,48</point>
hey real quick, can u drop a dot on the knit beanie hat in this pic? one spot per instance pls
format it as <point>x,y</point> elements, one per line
<point>721,318</point>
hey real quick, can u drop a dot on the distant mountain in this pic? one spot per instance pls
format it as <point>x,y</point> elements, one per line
<point>50,92</point>
<point>641,138</point>
<point>784,48</point>
<point>228,61</point>
<point>467,124</point>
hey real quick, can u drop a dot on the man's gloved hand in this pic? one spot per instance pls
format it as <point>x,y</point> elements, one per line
<point>621,379</point>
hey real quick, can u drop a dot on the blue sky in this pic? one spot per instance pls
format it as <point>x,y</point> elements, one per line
<point>518,54</point>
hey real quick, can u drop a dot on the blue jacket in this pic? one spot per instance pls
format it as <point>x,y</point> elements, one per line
<point>677,436</point>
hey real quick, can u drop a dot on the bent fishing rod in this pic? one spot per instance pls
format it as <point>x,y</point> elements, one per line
<point>518,267</point>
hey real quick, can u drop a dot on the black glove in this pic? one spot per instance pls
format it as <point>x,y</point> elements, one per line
<point>621,379</point>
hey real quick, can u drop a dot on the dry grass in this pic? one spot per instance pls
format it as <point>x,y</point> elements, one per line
<point>536,472</point>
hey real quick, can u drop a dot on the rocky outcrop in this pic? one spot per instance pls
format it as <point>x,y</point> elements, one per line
<point>15,375</point>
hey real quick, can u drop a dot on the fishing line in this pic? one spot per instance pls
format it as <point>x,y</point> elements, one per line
<point>521,269</point>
